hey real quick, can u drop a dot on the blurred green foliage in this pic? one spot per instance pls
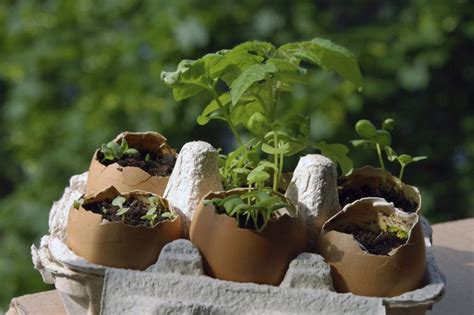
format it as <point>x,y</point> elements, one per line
<point>73,74</point>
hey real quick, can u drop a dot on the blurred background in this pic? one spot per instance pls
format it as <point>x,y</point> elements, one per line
<point>73,74</point>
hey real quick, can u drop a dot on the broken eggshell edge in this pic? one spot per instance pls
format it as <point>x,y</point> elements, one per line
<point>377,177</point>
<point>357,271</point>
<point>244,255</point>
<point>116,244</point>
<point>129,178</point>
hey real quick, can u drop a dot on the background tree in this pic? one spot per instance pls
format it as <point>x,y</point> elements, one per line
<point>73,74</point>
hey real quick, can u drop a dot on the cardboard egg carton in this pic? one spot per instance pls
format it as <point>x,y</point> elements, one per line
<point>177,284</point>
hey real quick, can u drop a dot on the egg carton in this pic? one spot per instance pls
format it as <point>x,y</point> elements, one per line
<point>177,284</point>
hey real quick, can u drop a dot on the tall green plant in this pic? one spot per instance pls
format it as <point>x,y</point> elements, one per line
<point>245,85</point>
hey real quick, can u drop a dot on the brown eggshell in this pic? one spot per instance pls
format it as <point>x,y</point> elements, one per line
<point>244,255</point>
<point>377,177</point>
<point>129,178</point>
<point>354,270</point>
<point>115,244</point>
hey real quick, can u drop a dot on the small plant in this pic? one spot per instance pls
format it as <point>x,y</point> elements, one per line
<point>250,205</point>
<point>403,159</point>
<point>246,84</point>
<point>381,139</point>
<point>119,202</point>
<point>157,209</point>
<point>114,151</point>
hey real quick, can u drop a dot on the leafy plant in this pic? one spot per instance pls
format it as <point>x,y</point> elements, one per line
<point>119,202</point>
<point>403,159</point>
<point>156,209</point>
<point>114,151</point>
<point>381,139</point>
<point>252,204</point>
<point>246,84</point>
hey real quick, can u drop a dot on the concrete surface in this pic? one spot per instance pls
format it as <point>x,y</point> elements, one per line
<point>453,245</point>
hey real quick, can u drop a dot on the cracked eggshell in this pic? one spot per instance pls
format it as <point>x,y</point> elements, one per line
<point>129,178</point>
<point>377,177</point>
<point>355,270</point>
<point>115,244</point>
<point>244,255</point>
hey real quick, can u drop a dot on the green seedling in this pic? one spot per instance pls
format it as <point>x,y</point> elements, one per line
<point>381,140</point>
<point>150,215</point>
<point>157,209</point>
<point>403,159</point>
<point>373,137</point>
<point>119,202</point>
<point>245,85</point>
<point>251,204</point>
<point>114,151</point>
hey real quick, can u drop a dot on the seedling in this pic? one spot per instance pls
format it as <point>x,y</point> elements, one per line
<point>251,204</point>
<point>246,84</point>
<point>403,159</point>
<point>157,209</point>
<point>381,140</point>
<point>373,137</point>
<point>114,151</point>
<point>119,202</point>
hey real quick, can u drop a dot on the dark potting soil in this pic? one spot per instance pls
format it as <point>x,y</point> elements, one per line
<point>377,243</point>
<point>157,165</point>
<point>242,220</point>
<point>131,217</point>
<point>349,195</point>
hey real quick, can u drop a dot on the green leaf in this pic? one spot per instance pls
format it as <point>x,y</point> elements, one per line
<point>242,112</point>
<point>327,55</point>
<point>337,58</point>
<point>419,158</point>
<point>168,215</point>
<point>258,124</point>
<point>213,106</point>
<point>249,76</point>
<point>383,138</point>
<point>151,211</point>
<point>257,176</point>
<point>262,165</point>
<point>131,152</point>
<point>362,143</point>
<point>118,201</point>
<point>391,154</point>
<point>124,145</point>
<point>231,202</point>
<point>188,80</point>
<point>388,124</point>
<point>285,66</point>
<point>405,159</point>
<point>275,151</point>
<point>122,211</point>
<point>115,148</point>
<point>336,153</point>
<point>366,129</point>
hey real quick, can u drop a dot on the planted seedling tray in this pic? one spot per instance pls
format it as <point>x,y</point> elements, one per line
<point>177,283</point>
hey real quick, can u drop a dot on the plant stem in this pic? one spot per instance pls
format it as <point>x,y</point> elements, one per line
<point>401,172</point>
<point>379,153</point>
<point>275,160</point>
<point>226,116</point>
